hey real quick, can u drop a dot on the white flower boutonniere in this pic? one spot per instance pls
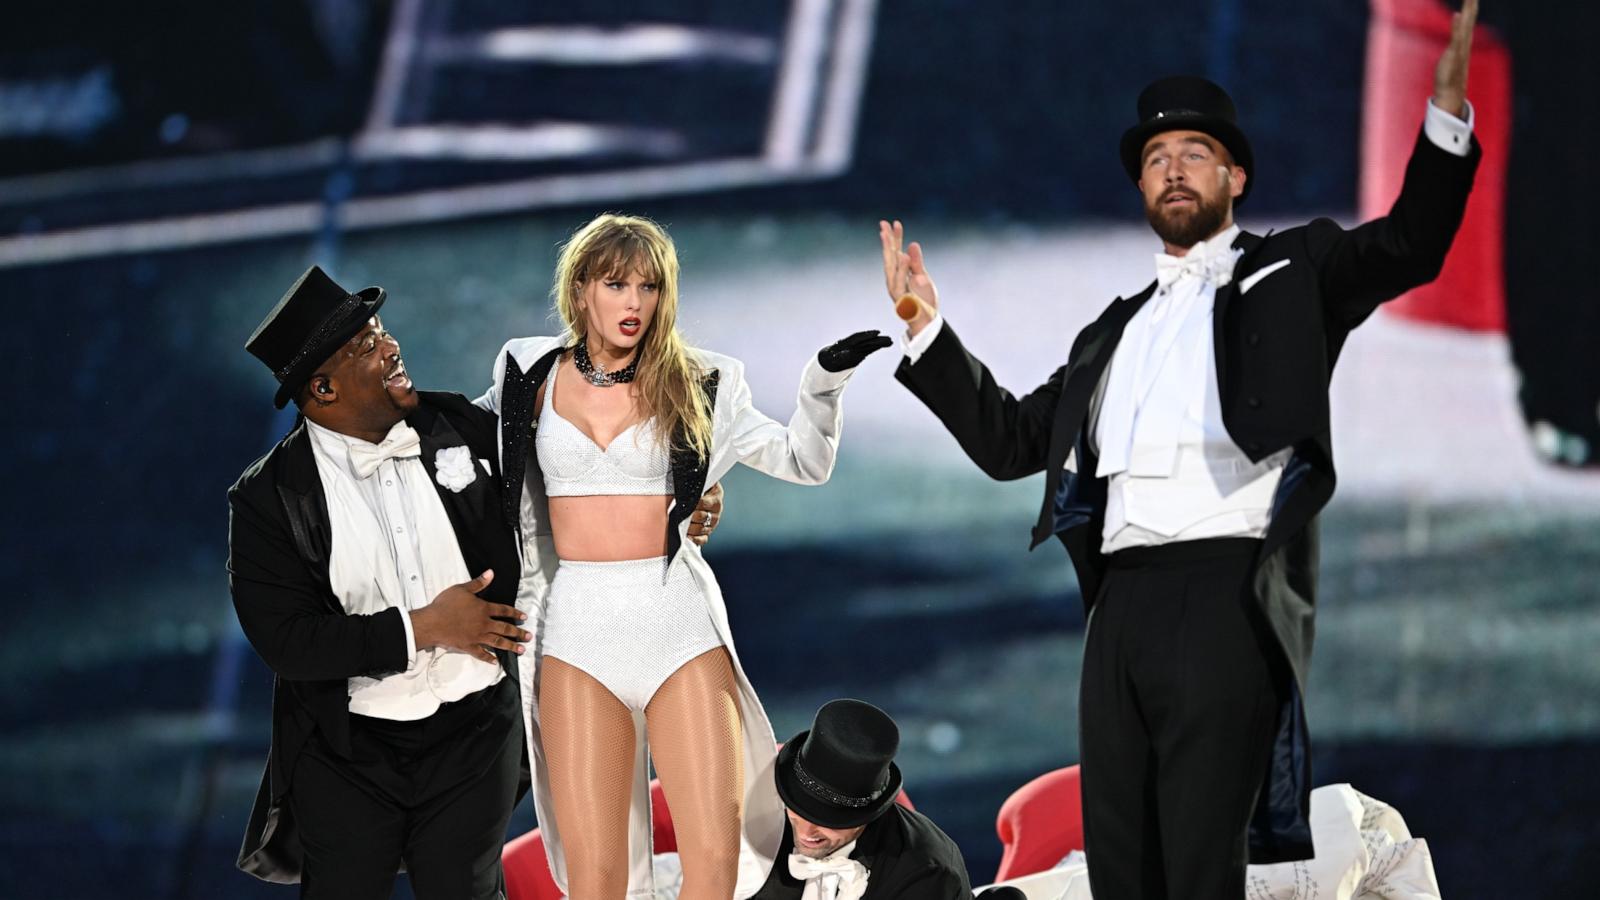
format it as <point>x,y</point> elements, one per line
<point>453,468</point>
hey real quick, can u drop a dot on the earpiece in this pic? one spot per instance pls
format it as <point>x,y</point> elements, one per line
<point>324,389</point>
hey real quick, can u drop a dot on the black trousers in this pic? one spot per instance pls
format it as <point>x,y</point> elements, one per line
<point>435,794</point>
<point>1177,707</point>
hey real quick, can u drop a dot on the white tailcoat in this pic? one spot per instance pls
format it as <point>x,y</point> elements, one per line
<point>802,452</point>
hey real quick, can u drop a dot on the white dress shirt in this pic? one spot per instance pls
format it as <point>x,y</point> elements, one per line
<point>394,546</point>
<point>833,877</point>
<point>1175,474</point>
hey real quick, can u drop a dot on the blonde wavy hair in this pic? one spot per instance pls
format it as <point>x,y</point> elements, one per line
<point>668,381</point>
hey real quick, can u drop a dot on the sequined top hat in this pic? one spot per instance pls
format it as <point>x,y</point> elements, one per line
<point>841,773</point>
<point>1187,103</point>
<point>312,320</point>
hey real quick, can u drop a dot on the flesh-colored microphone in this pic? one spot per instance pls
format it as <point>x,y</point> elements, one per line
<point>909,306</point>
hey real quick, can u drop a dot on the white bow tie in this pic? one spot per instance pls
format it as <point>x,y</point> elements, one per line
<point>401,442</point>
<point>1217,266</point>
<point>836,878</point>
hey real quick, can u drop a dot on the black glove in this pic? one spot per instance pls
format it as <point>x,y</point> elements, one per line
<point>849,352</point>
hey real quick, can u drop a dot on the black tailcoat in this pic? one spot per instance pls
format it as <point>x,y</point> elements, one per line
<point>279,539</point>
<point>1275,344</point>
<point>906,856</point>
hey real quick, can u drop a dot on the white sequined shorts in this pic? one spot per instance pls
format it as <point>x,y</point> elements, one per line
<point>625,625</point>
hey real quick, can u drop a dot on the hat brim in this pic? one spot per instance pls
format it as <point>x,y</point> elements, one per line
<point>1134,139</point>
<point>818,811</point>
<point>371,299</point>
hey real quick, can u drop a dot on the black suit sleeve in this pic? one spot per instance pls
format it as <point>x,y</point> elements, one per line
<point>932,884</point>
<point>1006,436</point>
<point>288,617</point>
<point>1382,259</point>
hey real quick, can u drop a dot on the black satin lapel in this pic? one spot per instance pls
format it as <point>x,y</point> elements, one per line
<point>518,390</point>
<point>305,505</point>
<point>1083,375</point>
<point>468,507</point>
<point>1086,371</point>
<point>300,489</point>
<point>1250,244</point>
<point>688,472</point>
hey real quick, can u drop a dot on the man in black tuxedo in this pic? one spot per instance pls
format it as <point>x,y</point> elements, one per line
<point>1186,454</point>
<point>371,570</point>
<point>846,838</point>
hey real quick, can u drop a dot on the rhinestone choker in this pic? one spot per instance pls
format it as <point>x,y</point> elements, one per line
<point>596,374</point>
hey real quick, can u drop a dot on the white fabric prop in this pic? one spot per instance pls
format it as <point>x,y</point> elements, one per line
<point>1364,852</point>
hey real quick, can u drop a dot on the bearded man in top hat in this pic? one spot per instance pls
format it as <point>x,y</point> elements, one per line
<point>1186,452</point>
<point>846,838</point>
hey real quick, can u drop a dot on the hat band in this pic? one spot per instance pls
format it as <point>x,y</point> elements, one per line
<point>329,325</point>
<point>823,792</point>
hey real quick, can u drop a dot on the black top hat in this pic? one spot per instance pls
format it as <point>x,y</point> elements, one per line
<point>1184,102</point>
<point>312,320</point>
<point>841,773</point>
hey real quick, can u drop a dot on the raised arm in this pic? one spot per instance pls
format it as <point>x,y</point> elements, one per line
<point>1006,436</point>
<point>1382,259</point>
<point>804,450</point>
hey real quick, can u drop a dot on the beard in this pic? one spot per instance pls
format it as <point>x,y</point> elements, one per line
<point>1187,227</point>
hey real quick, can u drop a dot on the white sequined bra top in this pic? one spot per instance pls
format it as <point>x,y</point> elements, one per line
<point>573,465</point>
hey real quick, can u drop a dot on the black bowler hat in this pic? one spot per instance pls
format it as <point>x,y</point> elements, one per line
<point>312,320</point>
<point>841,772</point>
<point>1187,103</point>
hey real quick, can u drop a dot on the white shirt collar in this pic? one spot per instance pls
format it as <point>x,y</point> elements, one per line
<point>1210,261</point>
<point>1220,242</point>
<point>335,446</point>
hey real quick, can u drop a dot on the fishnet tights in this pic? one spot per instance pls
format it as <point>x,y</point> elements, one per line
<point>696,742</point>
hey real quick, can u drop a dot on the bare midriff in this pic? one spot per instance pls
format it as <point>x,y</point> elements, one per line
<point>609,528</point>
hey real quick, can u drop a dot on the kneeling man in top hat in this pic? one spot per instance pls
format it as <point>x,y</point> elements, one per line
<point>846,838</point>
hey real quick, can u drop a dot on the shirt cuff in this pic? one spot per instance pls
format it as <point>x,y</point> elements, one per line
<point>1448,133</point>
<point>916,346</point>
<point>411,637</point>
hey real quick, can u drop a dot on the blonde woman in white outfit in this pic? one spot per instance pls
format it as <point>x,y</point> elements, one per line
<point>609,434</point>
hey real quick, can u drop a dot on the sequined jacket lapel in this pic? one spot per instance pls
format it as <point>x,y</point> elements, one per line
<point>519,392</point>
<point>688,472</point>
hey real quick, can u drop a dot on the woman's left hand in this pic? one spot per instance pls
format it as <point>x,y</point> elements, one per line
<point>849,352</point>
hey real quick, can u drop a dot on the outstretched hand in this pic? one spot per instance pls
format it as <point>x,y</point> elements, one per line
<point>1450,75</point>
<point>910,286</point>
<point>849,352</point>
